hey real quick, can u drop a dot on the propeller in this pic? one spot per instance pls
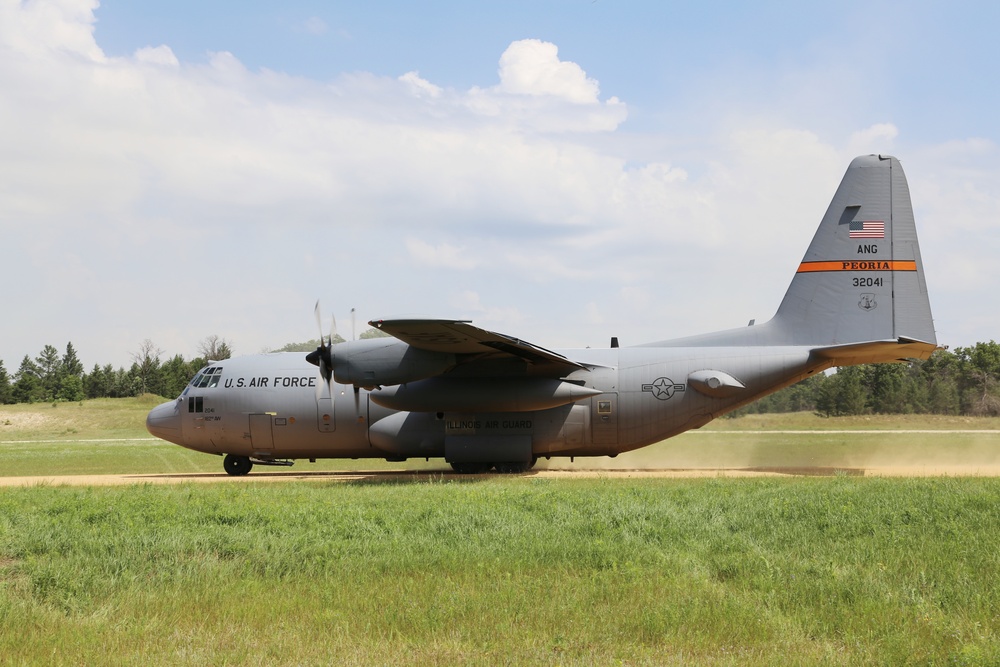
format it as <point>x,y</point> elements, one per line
<point>322,356</point>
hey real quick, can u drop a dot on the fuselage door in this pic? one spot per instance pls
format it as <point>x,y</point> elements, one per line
<point>604,419</point>
<point>261,436</point>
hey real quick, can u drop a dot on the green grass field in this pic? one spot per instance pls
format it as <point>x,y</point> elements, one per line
<point>832,570</point>
<point>770,571</point>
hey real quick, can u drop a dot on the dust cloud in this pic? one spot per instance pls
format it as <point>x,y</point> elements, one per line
<point>915,452</point>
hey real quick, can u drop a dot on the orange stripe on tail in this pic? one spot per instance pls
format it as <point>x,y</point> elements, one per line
<point>858,265</point>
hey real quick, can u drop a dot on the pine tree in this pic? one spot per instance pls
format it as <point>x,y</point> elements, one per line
<point>843,393</point>
<point>176,374</point>
<point>95,384</point>
<point>49,371</point>
<point>6,390</point>
<point>70,388</point>
<point>27,384</point>
<point>71,363</point>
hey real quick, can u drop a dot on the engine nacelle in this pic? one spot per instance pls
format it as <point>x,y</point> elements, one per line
<point>378,362</point>
<point>442,394</point>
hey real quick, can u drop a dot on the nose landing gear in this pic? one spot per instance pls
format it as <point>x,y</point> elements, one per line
<point>237,465</point>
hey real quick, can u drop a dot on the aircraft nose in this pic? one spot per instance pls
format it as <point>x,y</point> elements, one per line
<point>164,421</point>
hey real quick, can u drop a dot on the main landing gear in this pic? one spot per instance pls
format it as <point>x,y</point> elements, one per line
<point>242,465</point>
<point>504,467</point>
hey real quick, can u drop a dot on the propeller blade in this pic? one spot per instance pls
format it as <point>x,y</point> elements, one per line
<point>323,356</point>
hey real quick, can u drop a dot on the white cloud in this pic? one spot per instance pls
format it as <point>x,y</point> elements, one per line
<point>877,138</point>
<point>540,92</point>
<point>34,28</point>
<point>469,306</point>
<point>159,55</point>
<point>443,255</point>
<point>420,86</point>
<point>532,67</point>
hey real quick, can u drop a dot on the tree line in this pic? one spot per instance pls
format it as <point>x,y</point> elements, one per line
<point>963,381</point>
<point>53,377</point>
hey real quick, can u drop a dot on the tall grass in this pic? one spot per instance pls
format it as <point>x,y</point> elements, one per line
<point>840,570</point>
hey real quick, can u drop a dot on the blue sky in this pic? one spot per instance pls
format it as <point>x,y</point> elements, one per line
<point>653,54</point>
<point>559,171</point>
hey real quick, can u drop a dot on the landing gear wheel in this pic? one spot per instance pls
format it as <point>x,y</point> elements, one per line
<point>237,465</point>
<point>514,467</point>
<point>466,468</point>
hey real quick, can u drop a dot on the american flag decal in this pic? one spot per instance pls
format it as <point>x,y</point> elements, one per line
<point>867,229</point>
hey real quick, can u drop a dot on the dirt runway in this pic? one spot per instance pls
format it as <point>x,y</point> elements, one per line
<point>419,476</point>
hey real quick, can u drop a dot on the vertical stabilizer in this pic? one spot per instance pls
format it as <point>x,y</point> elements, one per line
<point>862,278</point>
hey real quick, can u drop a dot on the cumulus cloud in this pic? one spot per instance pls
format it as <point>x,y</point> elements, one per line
<point>544,93</point>
<point>532,67</point>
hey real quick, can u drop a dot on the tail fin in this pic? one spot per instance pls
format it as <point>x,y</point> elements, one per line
<point>862,279</point>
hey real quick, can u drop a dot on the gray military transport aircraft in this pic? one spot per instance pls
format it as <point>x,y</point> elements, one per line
<point>484,400</point>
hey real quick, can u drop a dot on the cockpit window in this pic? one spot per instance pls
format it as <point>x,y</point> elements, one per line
<point>207,377</point>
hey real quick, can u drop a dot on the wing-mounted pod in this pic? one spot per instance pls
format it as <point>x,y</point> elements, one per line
<point>716,384</point>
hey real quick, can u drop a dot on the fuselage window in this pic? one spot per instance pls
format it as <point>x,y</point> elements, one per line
<point>604,407</point>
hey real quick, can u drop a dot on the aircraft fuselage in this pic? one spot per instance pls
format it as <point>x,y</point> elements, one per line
<point>274,406</point>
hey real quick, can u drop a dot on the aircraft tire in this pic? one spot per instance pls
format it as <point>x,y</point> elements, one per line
<point>514,467</point>
<point>467,468</point>
<point>237,465</point>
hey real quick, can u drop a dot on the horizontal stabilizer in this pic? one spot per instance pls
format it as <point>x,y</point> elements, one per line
<point>877,351</point>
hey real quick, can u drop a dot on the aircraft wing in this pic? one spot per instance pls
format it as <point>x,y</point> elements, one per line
<point>459,337</point>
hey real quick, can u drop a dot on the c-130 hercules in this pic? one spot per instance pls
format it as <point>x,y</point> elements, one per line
<point>483,400</point>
